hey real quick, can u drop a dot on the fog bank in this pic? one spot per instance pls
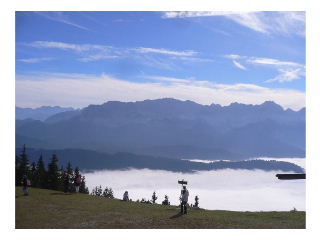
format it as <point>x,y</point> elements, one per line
<point>238,190</point>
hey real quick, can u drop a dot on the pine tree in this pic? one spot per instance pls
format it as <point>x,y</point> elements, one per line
<point>33,174</point>
<point>93,191</point>
<point>17,166</point>
<point>99,191</point>
<point>53,173</point>
<point>41,174</point>
<point>61,177</point>
<point>108,193</point>
<point>23,168</point>
<point>76,173</point>
<point>105,192</point>
<point>83,188</point>
<point>154,197</point>
<point>166,200</point>
<point>71,177</point>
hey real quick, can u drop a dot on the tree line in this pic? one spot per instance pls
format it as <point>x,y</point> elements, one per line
<point>52,177</point>
<point>61,179</point>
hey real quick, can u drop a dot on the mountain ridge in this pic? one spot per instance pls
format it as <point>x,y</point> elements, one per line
<point>173,128</point>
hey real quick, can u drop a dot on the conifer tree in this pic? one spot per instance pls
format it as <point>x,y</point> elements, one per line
<point>17,166</point>
<point>99,191</point>
<point>23,168</point>
<point>105,192</point>
<point>53,173</point>
<point>33,173</point>
<point>69,169</point>
<point>83,188</point>
<point>70,173</point>
<point>61,178</point>
<point>154,197</point>
<point>108,193</point>
<point>166,200</point>
<point>41,174</point>
<point>76,173</point>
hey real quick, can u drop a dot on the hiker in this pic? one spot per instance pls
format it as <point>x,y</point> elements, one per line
<point>184,200</point>
<point>126,196</point>
<point>25,184</point>
<point>77,183</point>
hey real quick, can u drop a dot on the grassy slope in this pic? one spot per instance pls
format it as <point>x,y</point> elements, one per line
<point>51,209</point>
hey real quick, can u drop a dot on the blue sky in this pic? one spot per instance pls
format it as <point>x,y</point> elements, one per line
<point>81,58</point>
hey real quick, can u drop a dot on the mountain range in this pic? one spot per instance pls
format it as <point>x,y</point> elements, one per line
<point>172,128</point>
<point>40,113</point>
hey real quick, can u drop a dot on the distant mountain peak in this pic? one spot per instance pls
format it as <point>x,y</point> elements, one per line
<point>271,105</point>
<point>40,113</point>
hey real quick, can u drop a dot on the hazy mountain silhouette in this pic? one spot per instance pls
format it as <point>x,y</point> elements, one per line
<point>172,128</point>
<point>40,113</point>
<point>88,160</point>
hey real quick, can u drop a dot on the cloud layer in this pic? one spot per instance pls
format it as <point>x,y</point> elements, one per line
<point>287,71</point>
<point>60,17</point>
<point>165,58</point>
<point>80,90</point>
<point>95,52</point>
<point>237,190</point>
<point>286,23</point>
<point>34,60</point>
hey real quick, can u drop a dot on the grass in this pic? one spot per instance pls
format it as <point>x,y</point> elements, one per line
<point>52,209</point>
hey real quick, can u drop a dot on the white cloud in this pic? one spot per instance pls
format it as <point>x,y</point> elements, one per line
<point>66,46</point>
<point>193,59</point>
<point>238,65</point>
<point>287,75</point>
<point>185,14</point>
<point>156,57</point>
<point>34,60</point>
<point>60,17</point>
<point>251,20</point>
<point>287,71</point>
<point>168,79</point>
<point>166,51</point>
<point>264,22</point>
<point>81,90</point>
<point>233,56</point>
<point>271,61</point>
<point>96,57</point>
<point>119,51</point>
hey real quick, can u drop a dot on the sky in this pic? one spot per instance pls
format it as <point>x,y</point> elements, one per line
<point>73,59</point>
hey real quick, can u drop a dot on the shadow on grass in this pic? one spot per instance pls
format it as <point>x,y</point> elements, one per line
<point>176,216</point>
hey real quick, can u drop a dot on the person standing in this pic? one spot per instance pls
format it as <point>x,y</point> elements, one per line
<point>25,185</point>
<point>126,196</point>
<point>184,200</point>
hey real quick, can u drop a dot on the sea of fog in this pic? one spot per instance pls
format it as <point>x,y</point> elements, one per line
<point>238,190</point>
<point>301,162</point>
